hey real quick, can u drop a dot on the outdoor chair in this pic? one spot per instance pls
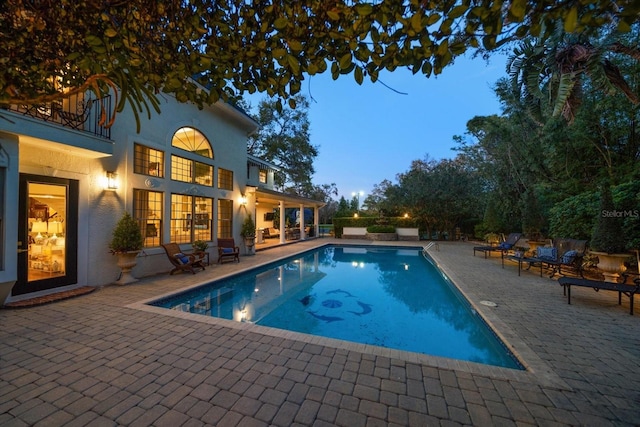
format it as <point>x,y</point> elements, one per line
<point>508,244</point>
<point>227,249</point>
<point>182,261</point>
<point>567,253</point>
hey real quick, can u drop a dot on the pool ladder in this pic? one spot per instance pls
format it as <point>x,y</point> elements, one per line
<point>430,245</point>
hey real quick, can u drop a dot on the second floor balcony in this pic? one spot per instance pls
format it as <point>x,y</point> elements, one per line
<point>81,112</point>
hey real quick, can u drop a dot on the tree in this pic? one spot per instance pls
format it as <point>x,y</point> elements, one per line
<point>555,68</point>
<point>284,140</point>
<point>51,49</point>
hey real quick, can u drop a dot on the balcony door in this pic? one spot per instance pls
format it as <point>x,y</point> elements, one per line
<point>48,218</point>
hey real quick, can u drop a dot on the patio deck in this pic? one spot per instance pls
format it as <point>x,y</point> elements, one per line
<point>107,359</point>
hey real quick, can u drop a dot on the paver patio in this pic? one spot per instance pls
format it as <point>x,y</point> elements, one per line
<point>106,359</point>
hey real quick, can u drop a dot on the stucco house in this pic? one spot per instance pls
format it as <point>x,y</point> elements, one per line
<point>66,179</point>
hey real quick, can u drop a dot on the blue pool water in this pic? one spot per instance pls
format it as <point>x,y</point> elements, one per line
<point>389,297</point>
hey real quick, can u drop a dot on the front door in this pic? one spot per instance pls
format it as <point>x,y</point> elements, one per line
<point>47,233</point>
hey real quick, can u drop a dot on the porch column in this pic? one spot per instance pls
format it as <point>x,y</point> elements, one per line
<point>302,235</point>
<point>316,221</point>
<point>282,229</point>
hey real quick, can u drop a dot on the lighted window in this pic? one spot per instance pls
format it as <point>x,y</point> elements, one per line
<point>225,218</point>
<point>225,179</point>
<point>147,210</point>
<point>191,218</point>
<point>193,141</point>
<point>148,161</point>
<point>181,169</point>
<point>262,176</point>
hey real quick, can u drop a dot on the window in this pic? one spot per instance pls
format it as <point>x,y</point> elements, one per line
<point>193,141</point>
<point>225,179</point>
<point>262,177</point>
<point>191,218</point>
<point>225,218</point>
<point>147,210</point>
<point>148,161</point>
<point>184,169</point>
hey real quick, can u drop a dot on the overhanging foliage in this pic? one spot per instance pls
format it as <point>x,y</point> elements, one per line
<point>50,48</point>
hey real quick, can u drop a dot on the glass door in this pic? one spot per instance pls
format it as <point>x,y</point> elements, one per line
<point>48,235</point>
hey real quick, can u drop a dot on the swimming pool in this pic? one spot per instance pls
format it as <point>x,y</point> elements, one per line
<point>389,297</point>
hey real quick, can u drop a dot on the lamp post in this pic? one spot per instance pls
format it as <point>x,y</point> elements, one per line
<point>357,196</point>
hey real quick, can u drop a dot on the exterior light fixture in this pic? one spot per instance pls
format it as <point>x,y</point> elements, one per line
<point>112,181</point>
<point>243,200</point>
<point>355,215</point>
<point>406,215</point>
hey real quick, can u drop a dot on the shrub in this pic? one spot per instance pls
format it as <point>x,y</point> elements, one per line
<point>381,229</point>
<point>127,235</point>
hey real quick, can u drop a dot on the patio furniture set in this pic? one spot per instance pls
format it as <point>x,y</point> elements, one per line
<point>564,256</point>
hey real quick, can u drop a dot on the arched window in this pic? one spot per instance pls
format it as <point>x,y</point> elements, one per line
<point>186,168</point>
<point>193,141</point>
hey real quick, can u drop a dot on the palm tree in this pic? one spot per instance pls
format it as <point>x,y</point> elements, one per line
<point>561,66</point>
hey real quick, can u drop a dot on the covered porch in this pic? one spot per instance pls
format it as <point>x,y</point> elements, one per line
<point>283,219</point>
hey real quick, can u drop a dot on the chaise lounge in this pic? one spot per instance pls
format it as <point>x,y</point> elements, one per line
<point>621,288</point>
<point>181,261</point>
<point>509,242</point>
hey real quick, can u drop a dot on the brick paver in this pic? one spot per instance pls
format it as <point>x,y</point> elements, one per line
<point>102,359</point>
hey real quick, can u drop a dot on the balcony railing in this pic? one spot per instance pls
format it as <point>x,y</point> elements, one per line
<point>79,112</point>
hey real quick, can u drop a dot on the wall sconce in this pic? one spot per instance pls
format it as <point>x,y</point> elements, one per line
<point>112,181</point>
<point>243,200</point>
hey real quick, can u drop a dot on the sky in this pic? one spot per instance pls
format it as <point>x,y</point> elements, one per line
<point>366,134</point>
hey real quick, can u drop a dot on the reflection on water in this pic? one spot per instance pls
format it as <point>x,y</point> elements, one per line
<point>380,296</point>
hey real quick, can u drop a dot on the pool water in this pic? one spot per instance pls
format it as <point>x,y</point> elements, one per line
<point>389,297</point>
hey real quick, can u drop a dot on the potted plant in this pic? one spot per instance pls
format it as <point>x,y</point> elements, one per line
<point>126,243</point>
<point>607,240</point>
<point>200,246</point>
<point>248,232</point>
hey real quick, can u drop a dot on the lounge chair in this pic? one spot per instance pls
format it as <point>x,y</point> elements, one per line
<point>620,288</point>
<point>508,244</point>
<point>227,249</point>
<point>182,261</point>
<point>567,253</point>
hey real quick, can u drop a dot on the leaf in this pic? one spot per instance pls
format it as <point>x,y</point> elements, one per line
<point>280,23</point>
<point>358,75</point>
<point>364,9</point>
<point>571,20</point>
<point>110,32</point>
<point>292,103</point>
<point>294,64</point>
<point>416,22</point>
<point>345,60</point>
<point>333,15</point>
<point>518,9</point>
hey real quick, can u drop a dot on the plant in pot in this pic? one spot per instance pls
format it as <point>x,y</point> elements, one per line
<point>200,246</point>
<point>248,232</point>
<point>126,243</point>
<point>607,240</point>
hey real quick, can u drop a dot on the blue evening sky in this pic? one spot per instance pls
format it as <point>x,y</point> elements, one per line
<point>370,133</point>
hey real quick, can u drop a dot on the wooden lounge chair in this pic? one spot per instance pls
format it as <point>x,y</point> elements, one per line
<point>227,249</point>
<point>508,243</point>
<point>182,261</point>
